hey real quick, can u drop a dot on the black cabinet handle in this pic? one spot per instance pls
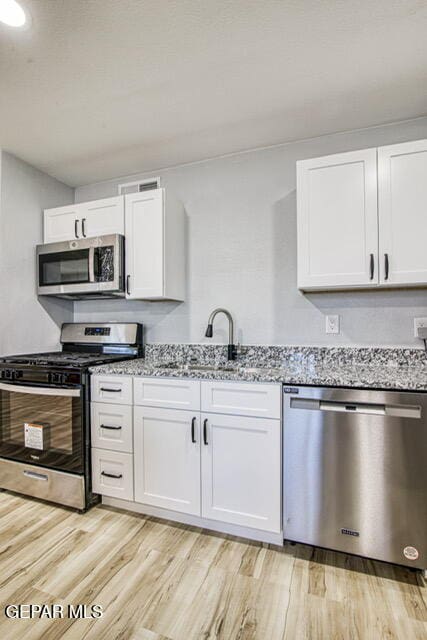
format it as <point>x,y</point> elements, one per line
<point>110,390</point>
<point>205,431</point>
<point>84,227</point>
<point>128,285</point>
<point>193,424</point>
<point>371,267</point>
<point>111,475</point>
<point>106,426</point>
<point>386,266</point>
<point>76,231</point>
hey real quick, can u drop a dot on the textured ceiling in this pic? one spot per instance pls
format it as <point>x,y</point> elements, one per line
<point>100,88</point>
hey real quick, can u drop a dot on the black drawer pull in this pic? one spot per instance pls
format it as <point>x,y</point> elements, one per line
<point>107,426</point>
<point>386,266</point>
<point>205,431</point>
<point>111,475</point>
<point>193,424</point>
<point>371,267</point>
<point>110,390</point>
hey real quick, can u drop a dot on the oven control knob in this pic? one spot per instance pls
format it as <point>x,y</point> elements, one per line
<point>8,374</point>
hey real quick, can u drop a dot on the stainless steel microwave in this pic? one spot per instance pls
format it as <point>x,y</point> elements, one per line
<point>78,269</point>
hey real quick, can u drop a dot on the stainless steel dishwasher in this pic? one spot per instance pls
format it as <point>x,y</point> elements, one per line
<point>355,472</point>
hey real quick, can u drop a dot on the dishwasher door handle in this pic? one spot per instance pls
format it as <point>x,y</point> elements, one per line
<point>369,408</point>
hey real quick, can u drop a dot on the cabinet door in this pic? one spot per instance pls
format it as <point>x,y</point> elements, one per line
<point>167,458</point>
<point>337,221</point>
<point>402,176</point>
<point>241,479</point>
<point>144,229</point>
<point>103,217</point>
<point>62,223</point>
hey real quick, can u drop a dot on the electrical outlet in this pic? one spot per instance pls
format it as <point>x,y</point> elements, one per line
<point>419,323</point>
<point>332,324</point>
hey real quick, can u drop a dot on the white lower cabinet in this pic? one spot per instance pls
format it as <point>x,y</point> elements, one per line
<point>191,454</point>
<point>112,473</point>
<point>241,471</point>
<point>167,458</point>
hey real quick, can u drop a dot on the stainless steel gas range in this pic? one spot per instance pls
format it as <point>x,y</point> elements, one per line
<point>45,412</point>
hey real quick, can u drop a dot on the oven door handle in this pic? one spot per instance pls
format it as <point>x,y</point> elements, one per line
<point>40,391</point>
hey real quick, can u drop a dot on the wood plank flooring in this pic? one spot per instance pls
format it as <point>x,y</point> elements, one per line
<point>163,581</point>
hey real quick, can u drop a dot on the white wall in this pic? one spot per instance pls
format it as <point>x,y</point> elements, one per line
<point>25,323</point>
<point>242,254</point>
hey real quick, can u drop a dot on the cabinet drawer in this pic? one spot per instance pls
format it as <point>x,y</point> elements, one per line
<point>112,474</point>
<point>111,426</point>
<point>164,392</point>
<point>242,398</point>
<point>112,389</point>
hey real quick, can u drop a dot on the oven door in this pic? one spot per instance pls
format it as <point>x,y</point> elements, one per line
<point>93,266</point>
<point>43,426</point>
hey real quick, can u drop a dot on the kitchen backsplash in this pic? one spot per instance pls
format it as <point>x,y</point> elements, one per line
<point>275,355</point>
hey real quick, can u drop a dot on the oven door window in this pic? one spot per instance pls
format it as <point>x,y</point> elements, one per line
<point>66,267</point>
<point>42,426</point>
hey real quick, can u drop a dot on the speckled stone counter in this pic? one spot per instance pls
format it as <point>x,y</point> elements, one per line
<point>372,368</point>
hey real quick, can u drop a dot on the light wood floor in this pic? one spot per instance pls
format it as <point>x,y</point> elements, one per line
<point>157,580</point>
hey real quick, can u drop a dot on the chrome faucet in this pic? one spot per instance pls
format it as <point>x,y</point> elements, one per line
<point>232,349</point>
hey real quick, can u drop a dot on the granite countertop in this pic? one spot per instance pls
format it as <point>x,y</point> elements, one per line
<point>404,369</point>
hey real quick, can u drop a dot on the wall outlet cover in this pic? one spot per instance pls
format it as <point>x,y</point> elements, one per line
<point>419,323</point>
<point>332,324</point>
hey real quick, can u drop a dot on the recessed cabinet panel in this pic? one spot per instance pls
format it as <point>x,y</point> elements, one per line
<point>337,221</point>
<point>242,398</point>
<point>111,426</point>
<point>402,183</point>
<point>61,224</point>
<point>103,217</point>
<point>167,393</point>
<point>144,223</point>
<point>112,473</point>
<point>241,477</point>
<point>112,389</point>
<point>167,458</point>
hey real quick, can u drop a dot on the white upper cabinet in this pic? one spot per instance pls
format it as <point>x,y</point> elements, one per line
<point>347,238</point>
<point>154,229</point>
<point>84,220</point>
<point>62,224</point>
<point>337,221</point>
<point>402,190</point>
<point>103,217</point>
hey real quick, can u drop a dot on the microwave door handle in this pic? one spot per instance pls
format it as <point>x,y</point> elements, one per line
<point>40,391</point>
<point>92,264</point>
